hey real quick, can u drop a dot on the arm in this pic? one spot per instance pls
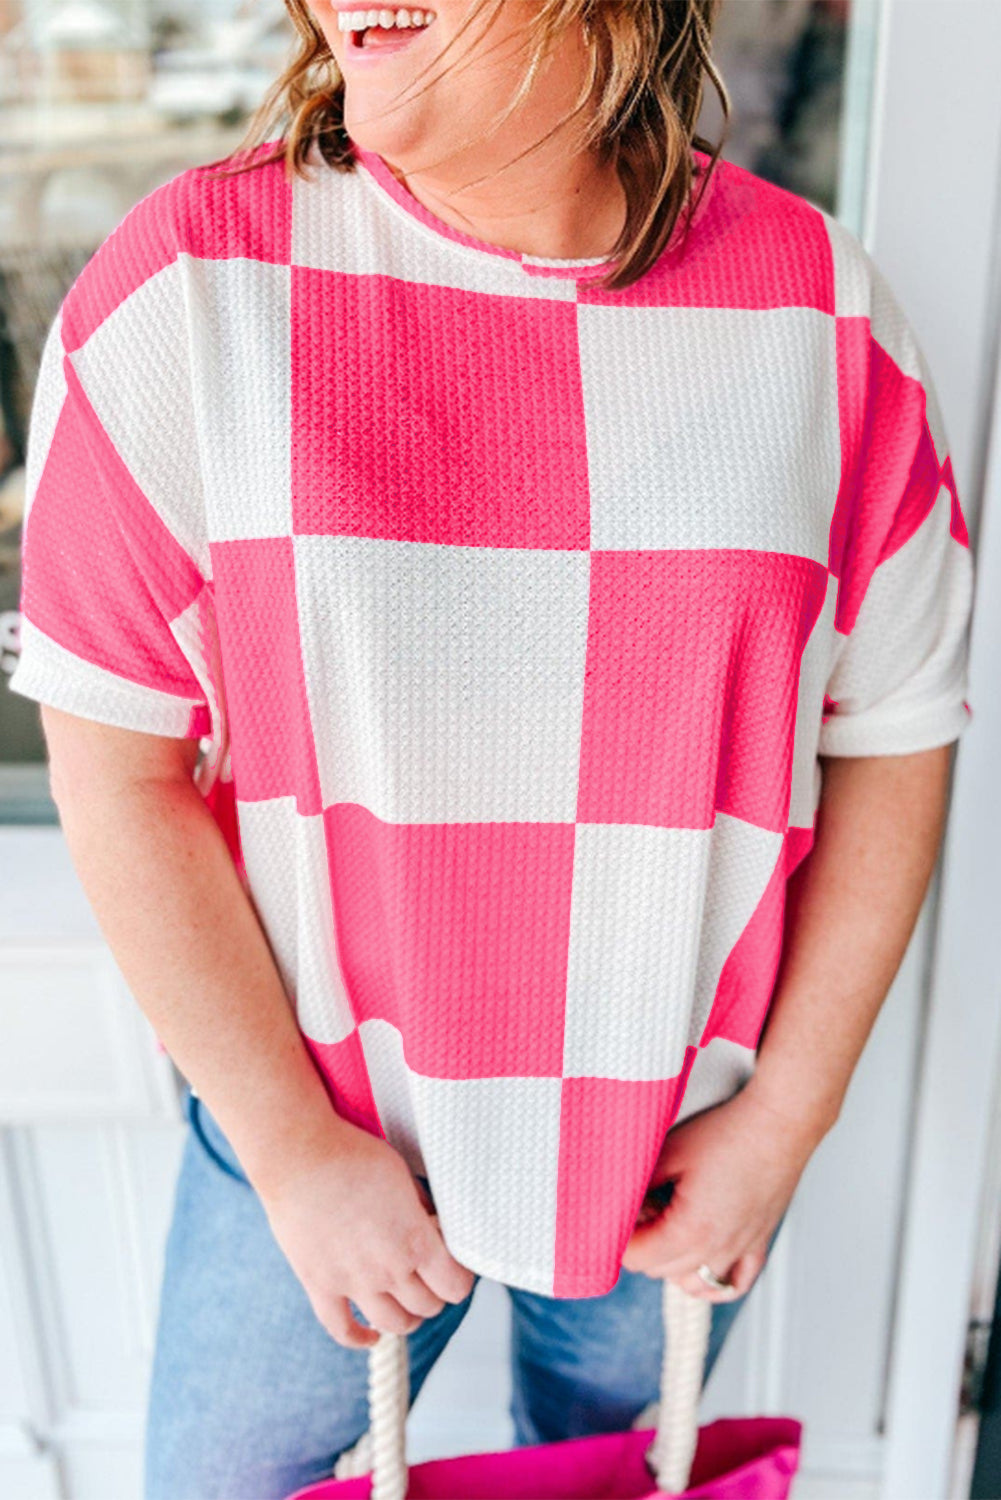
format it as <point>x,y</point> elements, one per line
<point>167,896</point>
<point>852,907</point>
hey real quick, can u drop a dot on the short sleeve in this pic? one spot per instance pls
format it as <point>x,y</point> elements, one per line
<point>112,598</point>
<point>899,680</point>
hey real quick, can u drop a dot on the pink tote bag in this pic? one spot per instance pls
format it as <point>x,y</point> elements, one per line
<point>751,1458</point>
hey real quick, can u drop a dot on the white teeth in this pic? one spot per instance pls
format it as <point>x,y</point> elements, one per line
<point>361,20</point>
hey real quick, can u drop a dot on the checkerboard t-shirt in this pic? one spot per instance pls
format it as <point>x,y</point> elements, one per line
<point>513,615</point>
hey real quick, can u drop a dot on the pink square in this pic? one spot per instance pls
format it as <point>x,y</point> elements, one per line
<point>142,244</point>
<point>748,976</point>
<point>747,980</point>
<point>477,441</point>
<point>105,579</point>
<point>691,685</point>
<point>273,751</point>
<point>457,934</point>
<point>958,529</point>
<point>247,215</point>
<point>341,1065</point>
<point>611,1132</point>
<point>891,475</point>
<point>752,245</point>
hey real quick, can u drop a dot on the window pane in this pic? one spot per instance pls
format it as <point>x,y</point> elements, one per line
<point>784,63</point>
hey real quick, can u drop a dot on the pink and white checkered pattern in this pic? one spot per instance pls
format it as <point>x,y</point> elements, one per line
<point>514,615</point>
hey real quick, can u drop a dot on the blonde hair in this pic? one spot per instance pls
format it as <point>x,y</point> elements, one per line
<point>649,63</point>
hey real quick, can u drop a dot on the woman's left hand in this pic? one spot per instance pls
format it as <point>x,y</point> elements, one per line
<point>735,1167</point>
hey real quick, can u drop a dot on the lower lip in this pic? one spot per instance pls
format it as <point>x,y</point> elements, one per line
<point>388,48</point>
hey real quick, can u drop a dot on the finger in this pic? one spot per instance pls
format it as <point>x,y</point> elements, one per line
<point>746,1269</point>
<point>343,1327</point>
<point>653,1245</point>
<point>416,1296</point>
<point>637,1256</point>
<point>672,1233</point>
<point>387,1315</point>
<point>741,1276</point>
<point>446,1277</point>
<point>676,1267</point>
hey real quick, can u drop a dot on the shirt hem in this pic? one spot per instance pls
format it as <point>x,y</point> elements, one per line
<point>531,1280</point>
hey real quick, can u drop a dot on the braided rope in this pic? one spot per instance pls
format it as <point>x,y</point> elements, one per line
<point>355,1461</point>
<point>687,1321</point>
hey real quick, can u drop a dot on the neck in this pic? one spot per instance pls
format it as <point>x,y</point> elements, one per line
<point>546,204</point>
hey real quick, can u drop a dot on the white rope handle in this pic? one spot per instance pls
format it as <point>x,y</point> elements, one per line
<point>687,1322</point>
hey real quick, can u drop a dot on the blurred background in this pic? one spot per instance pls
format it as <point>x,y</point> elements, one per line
<point>875,1320</point>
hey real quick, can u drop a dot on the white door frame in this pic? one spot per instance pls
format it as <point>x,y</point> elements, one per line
<point>933,225</point>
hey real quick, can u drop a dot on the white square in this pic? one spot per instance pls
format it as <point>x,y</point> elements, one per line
<point>134,368</point>
<point>720,1070</point>
<point>445,684</point>
<point>901,676</point>
<point>862,291</point>
<point>742,859</point>
<point>711,427</point>
<point>285,855</point>
<point>890,328</point>
<point>492,1151</point>
<point>852,267</point>
<point>391,1081</point>
<point>241,351</point>
<point>347,223</point>
<point>893,332</point>
<point>47,404</point>
<point>635,918</point>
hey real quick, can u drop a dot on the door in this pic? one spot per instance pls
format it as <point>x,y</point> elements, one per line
<point>832,98</point>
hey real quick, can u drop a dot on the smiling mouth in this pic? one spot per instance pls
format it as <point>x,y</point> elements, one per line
<point>377,38</point>
<point>382,39</point>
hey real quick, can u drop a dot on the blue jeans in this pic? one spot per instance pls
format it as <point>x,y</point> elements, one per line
<point>250,1397</point>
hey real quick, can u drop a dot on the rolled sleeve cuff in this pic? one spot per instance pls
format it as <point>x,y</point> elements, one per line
<point>48,673</point>
<point>877,732</point>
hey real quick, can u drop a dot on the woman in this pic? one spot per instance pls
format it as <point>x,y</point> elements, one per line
<point>546,534</point>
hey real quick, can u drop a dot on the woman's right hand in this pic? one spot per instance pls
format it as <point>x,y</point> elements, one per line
<point>351,1222</point>
<point>186,935</point>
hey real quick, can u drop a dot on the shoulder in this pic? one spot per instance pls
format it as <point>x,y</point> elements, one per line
<point>242,208</point>
<point>877,334</point>
<point>742,196</point>
<point>783,224</point>
<point>207,211</point>
<point>762,245</point>
<point>759,245</point>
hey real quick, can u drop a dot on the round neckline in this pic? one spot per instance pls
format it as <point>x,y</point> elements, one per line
<point>379,175</point>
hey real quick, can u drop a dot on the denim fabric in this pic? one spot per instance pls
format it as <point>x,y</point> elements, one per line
<point>250,1398</point>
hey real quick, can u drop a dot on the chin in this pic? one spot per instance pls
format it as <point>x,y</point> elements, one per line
<point>396,139</point>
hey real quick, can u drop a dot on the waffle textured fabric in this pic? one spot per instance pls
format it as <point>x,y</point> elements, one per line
<point>513,615</point>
